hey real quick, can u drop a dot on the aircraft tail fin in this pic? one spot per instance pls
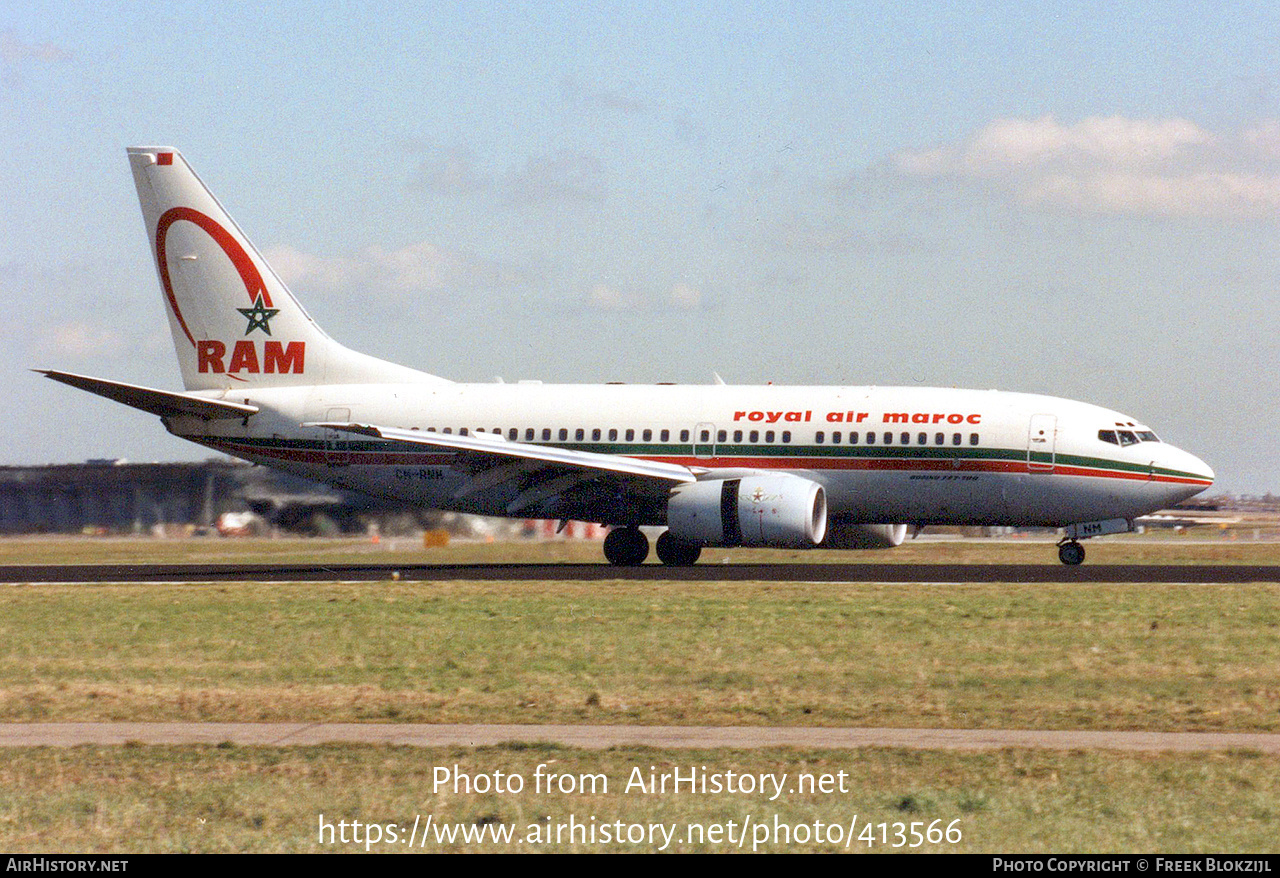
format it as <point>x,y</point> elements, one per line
<point>234,322</point>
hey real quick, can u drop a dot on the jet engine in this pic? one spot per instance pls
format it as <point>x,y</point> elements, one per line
<point>850,535</point>
<point>764,510</point>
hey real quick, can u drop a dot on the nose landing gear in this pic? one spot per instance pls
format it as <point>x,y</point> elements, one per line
<point>1070,553</point>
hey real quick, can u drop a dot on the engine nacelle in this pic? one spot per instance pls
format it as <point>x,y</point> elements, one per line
<point>847,535</point>
<point>768,510</point>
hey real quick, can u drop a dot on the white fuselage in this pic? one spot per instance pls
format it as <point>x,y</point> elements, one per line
<point>882,454</point>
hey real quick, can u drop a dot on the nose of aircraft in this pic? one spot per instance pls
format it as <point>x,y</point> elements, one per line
<point>1182,473</point>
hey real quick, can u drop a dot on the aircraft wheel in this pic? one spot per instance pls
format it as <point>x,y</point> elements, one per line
<point>626,547</point>
<point>1071,553</point>
<point>675,552</point>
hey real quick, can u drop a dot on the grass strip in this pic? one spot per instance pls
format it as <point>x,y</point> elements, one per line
<point>1169,657</point>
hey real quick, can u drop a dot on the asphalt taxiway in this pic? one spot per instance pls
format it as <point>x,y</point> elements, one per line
<point>597,737</point>
<point>924,573</point>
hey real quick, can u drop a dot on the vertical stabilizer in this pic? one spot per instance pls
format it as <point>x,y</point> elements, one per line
<point>234,322</point>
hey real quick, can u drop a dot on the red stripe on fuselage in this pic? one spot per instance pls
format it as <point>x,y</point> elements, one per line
<point>921,465</point>
<point>440,458</point>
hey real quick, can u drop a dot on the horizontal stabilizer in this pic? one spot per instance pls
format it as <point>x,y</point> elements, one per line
<point>157,402</point>
<point>491,444</point>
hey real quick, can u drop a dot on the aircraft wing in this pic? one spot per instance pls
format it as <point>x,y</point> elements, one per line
<point>500,449</point>
<point>157,402</point>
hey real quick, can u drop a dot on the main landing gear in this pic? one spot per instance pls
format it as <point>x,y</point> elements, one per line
<point>628,547</point>
<point>1070,553</point>
<point>675,552</point>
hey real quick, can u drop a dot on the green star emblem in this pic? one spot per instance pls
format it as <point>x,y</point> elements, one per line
<point>258,316</point>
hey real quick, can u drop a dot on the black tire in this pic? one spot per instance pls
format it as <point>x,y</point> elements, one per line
<point>675,552</point>
<point>626,547</point>
<point>1071,554</point>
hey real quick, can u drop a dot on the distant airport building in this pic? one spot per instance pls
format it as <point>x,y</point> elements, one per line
<point>112,497</point>
<point>116,497</point>
<point>104,495</point>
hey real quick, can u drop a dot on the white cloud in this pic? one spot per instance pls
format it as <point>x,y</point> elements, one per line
<point>682,296</point>
<point>1154,167</point>
<point>450,171</point>
<point>605,296</point>
<point>16,56</point>
<point>80,339</point>
<point>418,268</point>
<point>601,98</point>
<point>563,176</point>
<point>14,51</point>
<point>685,296</point>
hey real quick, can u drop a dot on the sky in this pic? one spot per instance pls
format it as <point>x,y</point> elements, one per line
<point>1079,200</point>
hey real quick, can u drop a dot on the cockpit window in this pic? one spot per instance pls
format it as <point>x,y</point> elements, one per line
<point>1127,437</point>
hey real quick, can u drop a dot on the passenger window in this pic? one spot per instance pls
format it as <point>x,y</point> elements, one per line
<point>684,435</point>
<point>722,436</point>
<point>888,438</point>
<point>754,436</point>
<point>513,434</point>
<point>737,435</point>
<point>939,438</point>
<point>818,437</point>
<point>546,434</point>
<point>613,434</point>
<point>448,429</point>
<point>835,437</point>
<point>463,432</point>
<point>595,434</point>
<point>768,436</point>
<point>665,435</point>
<point>631,435</point>
<point>564,434</point>
<point>973,438</point>
<point>786,436</point>
<point>871,438</point>
<point>853,438</point>
<point>906,438</point>
<point>704,436</point>
<point>955,438</point>
<point>528,434</point>
<point>1108,436</point>
<point>647,436</point>
<point>922,439</point>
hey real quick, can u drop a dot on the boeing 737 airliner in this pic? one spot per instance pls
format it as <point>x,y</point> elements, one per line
<point>716,465</point>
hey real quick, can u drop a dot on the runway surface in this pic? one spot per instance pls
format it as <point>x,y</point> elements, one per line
<point>600,737</point>
<point>1204,573</point>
